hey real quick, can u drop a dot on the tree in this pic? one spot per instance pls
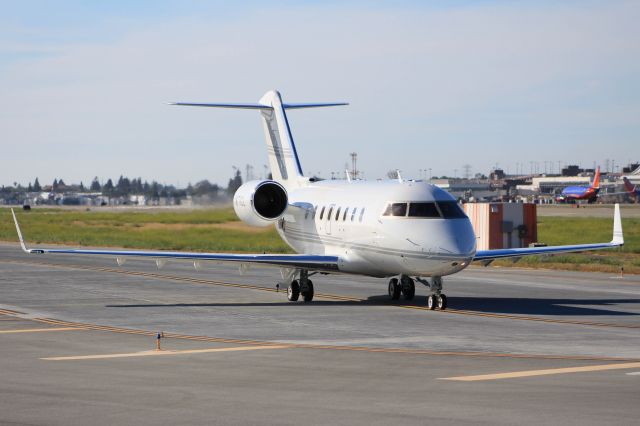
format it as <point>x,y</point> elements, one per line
<point>204,187</point>
<point>36,186</point>
<point>29,188</point>
<point>95,185</point>
<point>54,185</point>
<point>124,186</point>
<point>107,189</point>
<point>234,184</point>
<point>81,186</point>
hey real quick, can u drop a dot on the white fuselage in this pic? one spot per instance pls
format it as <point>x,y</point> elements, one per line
<point>369,242</point>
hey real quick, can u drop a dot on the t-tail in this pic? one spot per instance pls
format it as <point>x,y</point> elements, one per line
<point>283,157</point>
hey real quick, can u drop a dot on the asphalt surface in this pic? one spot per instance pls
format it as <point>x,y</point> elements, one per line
<point>77,339</point>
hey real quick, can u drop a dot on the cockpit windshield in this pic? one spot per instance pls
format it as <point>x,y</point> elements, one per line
<point>396,209</point>
<point>423,210</point>
<point>451,210</point>
<point>426,209</point>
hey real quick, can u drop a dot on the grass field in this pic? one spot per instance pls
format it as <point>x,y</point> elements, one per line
<point>219,230</point>
<point>197,230</point>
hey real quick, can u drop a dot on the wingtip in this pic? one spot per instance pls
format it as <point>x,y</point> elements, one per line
<point>618,236</point>
<point>15,220</point>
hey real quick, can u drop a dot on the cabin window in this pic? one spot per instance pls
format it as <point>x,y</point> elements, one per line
<point>396,209</point>
<point>313,212</point>
<point>338,213</point>
<point>322,212</point>
<point>451,210</point>
<point>344,217</point>
<point>329,214</point>
<point>423,210</point>
<point>306,213</point>
<point>361,214</point>
<point>353,213</point>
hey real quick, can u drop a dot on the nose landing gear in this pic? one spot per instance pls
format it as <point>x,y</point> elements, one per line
<point>436,300</point>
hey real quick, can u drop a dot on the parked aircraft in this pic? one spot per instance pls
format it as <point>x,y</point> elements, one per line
<point>589,193</point>
<point>403,230</point>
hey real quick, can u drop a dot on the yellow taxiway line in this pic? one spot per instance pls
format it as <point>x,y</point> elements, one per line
<point>164,352</point>
<point>38,330</point>
<point>531,373</point>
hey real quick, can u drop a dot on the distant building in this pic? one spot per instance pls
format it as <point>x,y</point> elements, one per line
<point>497,174</point>
<point>571,170</point>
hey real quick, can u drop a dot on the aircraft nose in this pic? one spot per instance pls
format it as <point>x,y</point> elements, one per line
<point>463,239</point>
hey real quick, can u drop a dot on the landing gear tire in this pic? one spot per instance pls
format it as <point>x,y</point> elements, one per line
<point>394,289</point>
<point>307,294</point>
<point>408,288</point>
<point>293,291</point>
<point>441,302</point>
<point>431,302</point>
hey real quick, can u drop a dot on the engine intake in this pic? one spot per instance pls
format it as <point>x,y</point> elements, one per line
<point>260,203</point>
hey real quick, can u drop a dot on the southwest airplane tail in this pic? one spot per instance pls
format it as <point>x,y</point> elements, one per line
<point>596,179</point>
<point>631,189</point>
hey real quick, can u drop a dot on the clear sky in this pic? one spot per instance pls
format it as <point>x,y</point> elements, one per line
<point>432,85</point>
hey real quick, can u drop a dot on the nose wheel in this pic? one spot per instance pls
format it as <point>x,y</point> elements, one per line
<point>437,301</point>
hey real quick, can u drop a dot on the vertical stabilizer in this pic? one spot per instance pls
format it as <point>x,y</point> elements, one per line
<point>628,185</point>
<point>596,179</point>
<point>283,158</point>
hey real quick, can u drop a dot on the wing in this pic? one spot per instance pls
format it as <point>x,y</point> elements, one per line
<point>312,262</point>
<point>488,256</point>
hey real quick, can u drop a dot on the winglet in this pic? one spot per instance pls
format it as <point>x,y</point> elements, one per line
<point>19,233</point>
<point>618,238</point>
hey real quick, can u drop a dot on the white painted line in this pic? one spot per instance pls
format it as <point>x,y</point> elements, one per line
<point>164,353</point>
<point>531,373</point>
<point>38,330</point>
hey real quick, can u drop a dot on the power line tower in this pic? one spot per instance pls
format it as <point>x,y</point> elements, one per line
<point>467,171</point>
<point>354,165</point>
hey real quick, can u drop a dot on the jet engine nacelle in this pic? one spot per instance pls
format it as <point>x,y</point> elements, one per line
<point>260,203</point>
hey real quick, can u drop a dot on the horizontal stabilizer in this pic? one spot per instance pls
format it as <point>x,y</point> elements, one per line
<point>260,106</point>
<point>237,106</point>
<point>299,106</point>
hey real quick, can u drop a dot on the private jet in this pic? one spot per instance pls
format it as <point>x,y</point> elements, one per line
<point>405,230</point>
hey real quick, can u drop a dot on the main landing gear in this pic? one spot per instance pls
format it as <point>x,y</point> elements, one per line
<point>303,287</point>
<point>406,286</point>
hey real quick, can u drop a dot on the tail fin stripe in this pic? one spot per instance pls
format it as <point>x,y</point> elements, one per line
<point>293,144</point>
